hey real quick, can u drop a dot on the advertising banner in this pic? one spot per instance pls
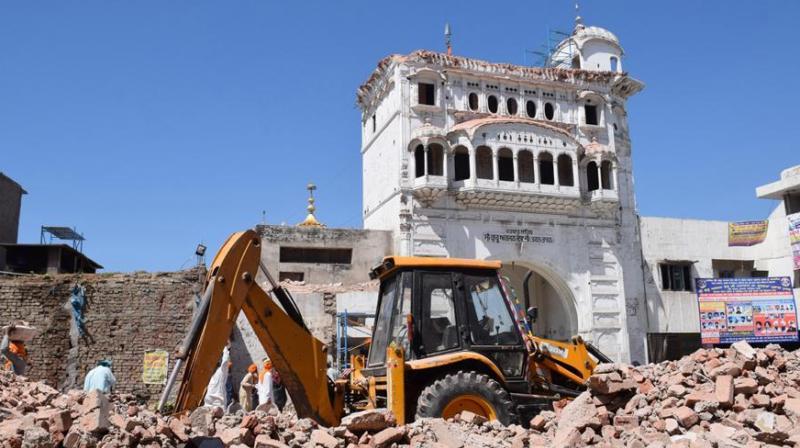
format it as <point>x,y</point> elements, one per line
<point>154,369</point>
<point>794,237</point>
<point>747,233</point>
<point>753,309</point>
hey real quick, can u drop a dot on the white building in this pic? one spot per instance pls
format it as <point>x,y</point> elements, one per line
<point>532,166</point>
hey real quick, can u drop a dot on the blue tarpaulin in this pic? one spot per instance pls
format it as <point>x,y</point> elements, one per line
<point>78,301</point>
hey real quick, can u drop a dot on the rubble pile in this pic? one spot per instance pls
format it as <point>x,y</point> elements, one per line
<point>735,397</point>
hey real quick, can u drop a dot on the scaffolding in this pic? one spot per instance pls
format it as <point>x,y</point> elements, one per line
<point>544,56</point>
<point>350,327</point>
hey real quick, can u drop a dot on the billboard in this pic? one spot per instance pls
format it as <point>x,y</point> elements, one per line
<point>747,233</point>
<point>754,309</point>
<point>794,237</point>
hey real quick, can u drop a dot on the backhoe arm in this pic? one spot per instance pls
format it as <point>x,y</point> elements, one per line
<point>296,354</point>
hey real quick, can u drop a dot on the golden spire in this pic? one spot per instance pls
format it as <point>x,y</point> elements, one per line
<point>311,220</point>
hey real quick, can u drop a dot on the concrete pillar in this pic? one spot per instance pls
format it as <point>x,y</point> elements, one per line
<point>556,181</point>
<point>446,157</point>
<point>516,169</point>
<point>575,171</point>
<point>473,162</point>
<point>536,179</point>
<point>495,174</point>
<point>425,162</point>
<point>614,176</point>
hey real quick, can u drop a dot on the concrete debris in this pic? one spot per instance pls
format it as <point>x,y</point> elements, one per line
<point>752,399</point>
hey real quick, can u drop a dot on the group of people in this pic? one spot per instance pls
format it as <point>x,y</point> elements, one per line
<point>255,389</point>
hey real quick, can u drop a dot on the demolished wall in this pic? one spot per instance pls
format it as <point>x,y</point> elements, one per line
<point>125,315</point>
<point>128,314</point>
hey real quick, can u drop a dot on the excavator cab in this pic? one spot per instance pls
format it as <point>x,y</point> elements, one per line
<point>463,343</point>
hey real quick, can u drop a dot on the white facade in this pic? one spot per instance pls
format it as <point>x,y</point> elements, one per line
<point>531,166</point>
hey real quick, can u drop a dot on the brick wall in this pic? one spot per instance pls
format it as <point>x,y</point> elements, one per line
<point>126,315</point>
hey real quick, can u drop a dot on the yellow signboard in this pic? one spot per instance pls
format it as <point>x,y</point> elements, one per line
<point>747,233</point>
<point>154,369</point>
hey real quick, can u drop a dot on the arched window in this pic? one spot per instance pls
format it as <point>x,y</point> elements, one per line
<point>461,163</point>
<point>505,164</point>
<point>549,111</point>
<point>492,103</point>
<point>525,165</point>
<point>511,106</point>
<point>419,161</point>
<point>473,101</point>
<point>435,159</point>
<point>605,175</point>
<point>565,171</point>
<point>592,182</point>
<point>530,108</point>
<point>546,175</point>
<point>614,63</point>
<point>576,61</point>
<point>483,163</point>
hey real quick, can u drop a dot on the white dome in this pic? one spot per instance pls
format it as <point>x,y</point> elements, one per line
<point>594,32</point>
<point>588,48</point>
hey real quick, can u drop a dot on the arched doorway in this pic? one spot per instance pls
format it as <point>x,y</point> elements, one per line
<point>558,316</point>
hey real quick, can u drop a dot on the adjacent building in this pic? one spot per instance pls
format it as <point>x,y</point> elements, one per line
<point>42,258</point>
<point>10,205</point>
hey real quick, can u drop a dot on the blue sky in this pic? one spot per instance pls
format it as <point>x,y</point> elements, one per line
<point>151,125</point>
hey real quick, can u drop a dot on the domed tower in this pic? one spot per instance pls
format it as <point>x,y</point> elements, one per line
<point>588,48</point>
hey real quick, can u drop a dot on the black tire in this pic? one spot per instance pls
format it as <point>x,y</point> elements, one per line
<point>434,398</point>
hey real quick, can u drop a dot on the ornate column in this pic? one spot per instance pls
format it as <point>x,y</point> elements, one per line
<point>473,162</point>
<point>556,180</point>
<point>575,171</point>
<point>614,176</point>
<point>495,176</point>
<point>446,157</point>
<point>536,179</point>
<point>516,169</point>
<point>425,162</point>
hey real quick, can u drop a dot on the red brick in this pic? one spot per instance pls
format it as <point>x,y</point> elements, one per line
<point>723,390</point>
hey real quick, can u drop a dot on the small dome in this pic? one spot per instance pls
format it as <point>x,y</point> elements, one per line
<point>594,32</point>
<point>588,48</point>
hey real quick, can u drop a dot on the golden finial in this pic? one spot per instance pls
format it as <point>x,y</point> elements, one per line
<point>311,220</point>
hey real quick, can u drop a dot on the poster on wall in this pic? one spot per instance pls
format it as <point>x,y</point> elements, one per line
<point>794,237</point>
<point>754,309</point>
<point>747,233</point>
<point>154,369</point>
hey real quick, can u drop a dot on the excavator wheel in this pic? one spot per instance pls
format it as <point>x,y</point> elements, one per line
<point>466,391</point>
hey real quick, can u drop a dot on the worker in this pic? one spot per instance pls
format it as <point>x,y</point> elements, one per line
<point>331,372</point>
<point>247,387</point>
<point>278,391</point>
<point>215,393</point>
<point>14,352</point>
<point>230,397</point>
<point>264,386</point>
<point>100,378</point>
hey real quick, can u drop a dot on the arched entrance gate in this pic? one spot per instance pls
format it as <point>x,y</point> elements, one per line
<point>558,316</point>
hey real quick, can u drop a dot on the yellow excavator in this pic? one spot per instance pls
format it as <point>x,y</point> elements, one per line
<point>448,337</point>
